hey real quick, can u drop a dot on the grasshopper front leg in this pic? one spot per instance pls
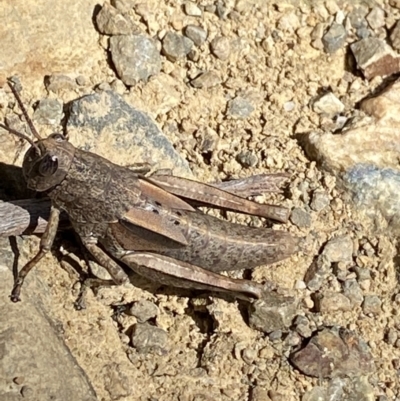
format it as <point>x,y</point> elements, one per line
<point>46,243</point>
<point>172,272</point>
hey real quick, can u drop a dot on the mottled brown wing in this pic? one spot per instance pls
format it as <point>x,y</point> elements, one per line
<point>215,197</point>
<point>152,222</point>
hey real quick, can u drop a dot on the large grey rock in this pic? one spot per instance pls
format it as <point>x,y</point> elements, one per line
<point>105,124</point>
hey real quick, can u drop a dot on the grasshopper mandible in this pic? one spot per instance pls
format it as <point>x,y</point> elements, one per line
<point>148,223</point>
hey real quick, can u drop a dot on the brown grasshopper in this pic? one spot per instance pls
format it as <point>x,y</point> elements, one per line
<point>148,223</point>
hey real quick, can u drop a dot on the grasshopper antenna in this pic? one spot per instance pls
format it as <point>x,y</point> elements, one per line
<point>27,118</point>
<point>24,112</point>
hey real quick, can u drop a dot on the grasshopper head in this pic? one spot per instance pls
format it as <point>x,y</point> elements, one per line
<point>47,161</point>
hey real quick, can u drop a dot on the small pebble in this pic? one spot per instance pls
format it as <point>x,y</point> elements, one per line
<point>240,107</point>
<point>57,83</point>
<point>372,305</point>
<point>135,57</point>
<point>247,159</point>
<point>221,47</point>
<point>357,17</point>
<point>206,80</point>
<point>376,18</point>
<point>331,301</point>
<point>143,310</point>
<point>48,111</point>
<point>395,36</point>
<point>328,104</point>
<point>335,38</point>
<point>352,290</point>
<point>111,21</point>
<point>339,249</point>
<point>197,34</point>
<point>176,46</point>
<point>147,338</point>
<point>300,218</point>
<point>319,201</point>
<point>192,9</point>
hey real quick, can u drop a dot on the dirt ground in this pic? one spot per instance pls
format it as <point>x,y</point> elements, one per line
<point>210,352</point>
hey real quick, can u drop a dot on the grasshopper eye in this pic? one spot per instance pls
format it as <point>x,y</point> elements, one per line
<point>48,166</point>
<point>58,137</point>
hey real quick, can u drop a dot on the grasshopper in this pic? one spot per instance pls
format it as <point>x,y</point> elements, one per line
<point>148,223</point>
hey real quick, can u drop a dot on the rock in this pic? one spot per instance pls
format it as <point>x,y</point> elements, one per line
<point>105,124</point>
<point>330,301</point>
<point>319,201</point>
<point>375,57</point>
<point>395,36</point>
<point>240,107</point>
<point>376,18</point>
<point>334,352</point>
<point>143,310</point>
<point>247,159</point>
<point>196,34</point>
<point>135,57</point>
<point>339,249</point>
<point>58,45</point>
<point>192,9</point>
<point>48,111</point>
<point>206,80</point>
<point>335,38</point>
<point>58,83</point>
<point>123,5</point>
<point>300,218</point>
<point>30,348</point>
<point>328,104</point>
<point>148,339</point>
<point>352,290</point>
<point>176,46</point>
<point>372,305</point>
<point>357,17</point>
<point>221,47</point>
<point>111,21</point>
<point>273,313</point>
<point>317,393</point>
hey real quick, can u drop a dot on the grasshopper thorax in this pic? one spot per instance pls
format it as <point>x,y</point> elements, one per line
<point>46,163</point>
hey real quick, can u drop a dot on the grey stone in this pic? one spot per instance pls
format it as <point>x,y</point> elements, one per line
<point>372,305</point>
<point>376,18</point>
<point>328,104</point>
<point>300,217</point>
<point>105,124</point>
<point>135,57</point>
<point>196,34</point>
<point>335,38</point>
<point>176,46</point>
<point>57,83</point>
<point>240,107</point>
<point>319,201</point>
<point>111,21</point>
<point>362,273</point>
<point>221,47</point>
<point>363,33</point>
<point>339,249</point>
<point>273,313</point>
<point>352,290</point>
<point>206,80</point>
<point>357,17</point>
<point>192,9</point>
<point>330,301</point>
<point>147,338</point>
<point>143,310</point>
<point>48,111</point>
<point>247,159</point>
